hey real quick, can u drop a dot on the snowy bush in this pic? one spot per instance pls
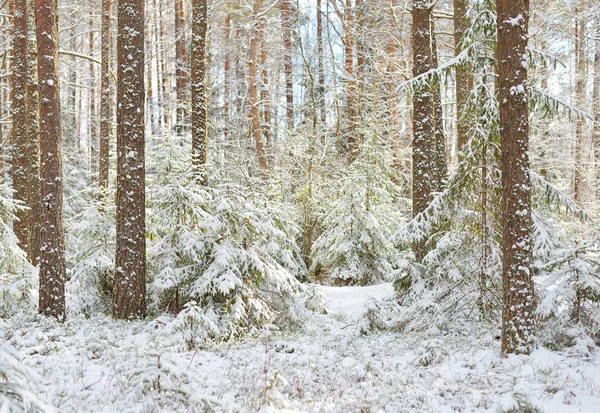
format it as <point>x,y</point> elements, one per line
<point>159,385</point>
<point>91,244</point>
<point>15,395</point>
<point>354,245</point>
<point>17,276</point>
<point>226,247</point>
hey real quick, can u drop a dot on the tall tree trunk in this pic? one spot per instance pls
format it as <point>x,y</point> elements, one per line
<point>253,92</point>
<point>461,25</point>
<point>164,75</point>
<point>580,76</point>
<point>34,195</point>
<point>596,133</point>
<point>287,61</point>
<point>392,82</point>
<point>199,120</point>
<point>52,247</point>
<point>19,128</point>
<point>181,64</point>
<point>351,83</point>
<point>518,310</point>
<point>265,96</point>
<point>105,111</point>
<point>423,150</point>
<point>129,299</point>
<point>93,132</point>
<point>227,77</point>
<point>321,65</point>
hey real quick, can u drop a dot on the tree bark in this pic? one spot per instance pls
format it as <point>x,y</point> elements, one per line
<point>52,247</point>
<point>265,96</point>
<point>518,311</point>
<point>321,65</point>
<point>227,77</point>
<point>181,63</point>
<point>19,128</point>
<point>596,132</point>
<point>199,120</point>
<point>253,92</point>
<point>34,195</point>
<point>285,8</point>
<point>93,132</point>
<point>129,299</point>
<point>105,110</point>
<point>423,147</point>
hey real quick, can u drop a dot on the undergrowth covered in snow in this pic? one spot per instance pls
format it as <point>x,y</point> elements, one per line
<point>325,365</point>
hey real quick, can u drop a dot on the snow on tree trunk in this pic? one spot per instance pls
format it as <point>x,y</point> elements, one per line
<point>34,196</point>
<point>103,160</point>
<point>181,63</point>
<point>129,299</point>
<point>52,248</point>
<point>19,128</point>
<point>596,103</point>
<point>285,8</point>
<point>518,312</point>
<point>199,120</point>
<point>321,66</point>
<point>423,151</point>
<point>265,96</point>
<point>227,78</point>
<point>253,92</point>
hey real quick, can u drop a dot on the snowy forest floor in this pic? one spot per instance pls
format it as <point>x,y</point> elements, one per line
<point>97,364</point>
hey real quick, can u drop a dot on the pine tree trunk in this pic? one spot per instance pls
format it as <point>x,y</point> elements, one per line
<point>199,120</point>
<point>424,148</point>
<point>93,132</point>
<point>265,96</point>
<point>518,311</point>
<point>129,299</point>
<point>181,64</point>
<point>287,61</point>
<point>351,138</point>
<point>321,65</point>
<point>461,25</point>
<point>227,78</point>
<point>253,92</point>
<point>105,111</point>
<point>34,195</point>
<point>19,128</point>
<point>392,99</point>
<point>52,247</point>
<point>596,132</point>
<point>580,76</point>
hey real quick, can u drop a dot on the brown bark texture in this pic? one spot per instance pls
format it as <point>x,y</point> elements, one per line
<point>19,130</point>
<point>34,195</point>
<point>199,98</point>
<point>423,146</point>
<point>518,311</point>
<point>580,98</point>
<point>253,93</point>
<point>52,246</point>
<point>181,64</point>
<point>286,18</point>
<point>105,110</point>
<point>129,300</point>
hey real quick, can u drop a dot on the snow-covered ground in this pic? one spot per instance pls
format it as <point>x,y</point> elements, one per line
<point>324,365</point>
